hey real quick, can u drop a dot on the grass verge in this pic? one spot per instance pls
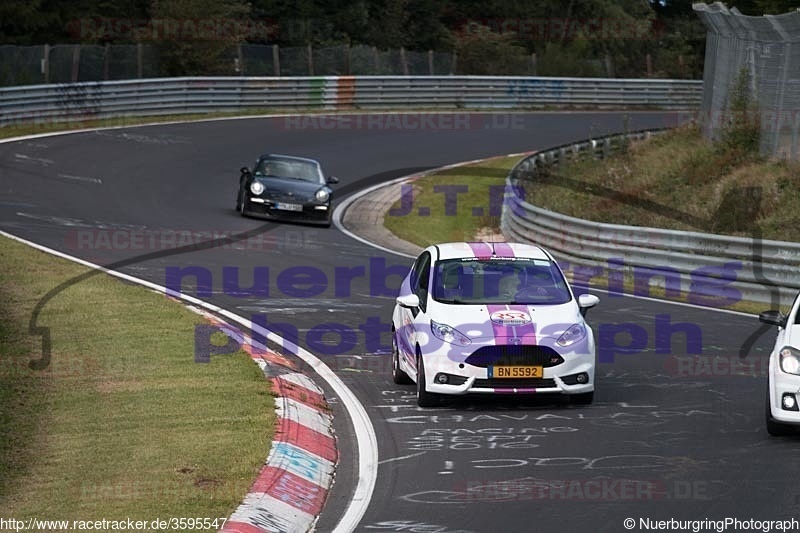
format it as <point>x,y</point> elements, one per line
<point>477,191</point>
<point>123,423</point>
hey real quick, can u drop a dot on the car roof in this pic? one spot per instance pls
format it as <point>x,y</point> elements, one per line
<point>459,250</point>
<point>291,157</point>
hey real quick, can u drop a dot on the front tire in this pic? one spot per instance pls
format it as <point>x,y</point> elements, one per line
<point>775,428</point>
<point>424,398</point>
<point>398,375</point>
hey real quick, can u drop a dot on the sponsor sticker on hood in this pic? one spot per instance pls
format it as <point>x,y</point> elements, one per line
<point>510,317</point>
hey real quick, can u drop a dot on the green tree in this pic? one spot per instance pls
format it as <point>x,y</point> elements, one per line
<point>190,52</point>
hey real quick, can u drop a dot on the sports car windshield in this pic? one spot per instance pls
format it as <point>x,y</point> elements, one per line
<point>289,168</point>
<point>499,281</point>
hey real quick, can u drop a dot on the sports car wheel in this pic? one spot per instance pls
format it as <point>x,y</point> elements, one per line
<point>398,376</point>
<point>775,428</point>
<point>424,398</point>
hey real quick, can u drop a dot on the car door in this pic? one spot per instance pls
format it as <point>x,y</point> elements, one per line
<point>416,323</point>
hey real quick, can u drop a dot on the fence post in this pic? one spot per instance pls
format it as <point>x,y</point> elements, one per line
<point>46,63</point>
<point>139,66</point>
<point>533,63</point>
<point>430,62</point>
<point>310,60</point>
<point>276,61</point>
<point>648,60</point>
<point>76,62</point>
<point>106,60</point>
<point>403,61</point>
<point>347,60</point>
<point>454,64</point>
<point>609,66</point>
<point>375,60</point>
<point>240,57</point>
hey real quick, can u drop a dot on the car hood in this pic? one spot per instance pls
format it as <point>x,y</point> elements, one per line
<point>534,324</point>
<point>300,188</point>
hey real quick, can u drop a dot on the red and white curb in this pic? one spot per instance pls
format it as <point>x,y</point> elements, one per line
<point>290,491</point>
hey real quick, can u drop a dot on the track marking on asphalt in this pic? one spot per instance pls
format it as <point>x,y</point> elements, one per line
<point>402,458</point>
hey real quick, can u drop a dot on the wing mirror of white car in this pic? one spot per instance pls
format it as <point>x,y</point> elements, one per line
<point>409,300</point>
<point>586,302</point>
<point>773,317</point>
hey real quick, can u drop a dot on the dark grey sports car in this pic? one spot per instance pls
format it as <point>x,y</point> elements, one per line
<point>286,187</point>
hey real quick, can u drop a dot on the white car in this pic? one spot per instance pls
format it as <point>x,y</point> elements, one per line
<point>491,318</point>
<point>783,377</point>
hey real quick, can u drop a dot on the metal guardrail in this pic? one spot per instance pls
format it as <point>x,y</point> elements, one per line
<point>93,100</point>
<point>711,269</point>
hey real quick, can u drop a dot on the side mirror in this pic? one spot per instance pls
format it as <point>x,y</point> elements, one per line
<point>773,317</point>
<point>244,170</point>
<point>332,180</point>
<point>586,302</point>
<point>410,301</point>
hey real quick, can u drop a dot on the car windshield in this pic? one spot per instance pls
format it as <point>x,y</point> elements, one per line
<point>499,281</point>
<point>289,168</point>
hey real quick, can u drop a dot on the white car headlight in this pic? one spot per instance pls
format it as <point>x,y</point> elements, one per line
<point>573,334</point>
<point>449,334</point>
<point>256,188</point>
<point>790,360</point>
<point>322,195</point>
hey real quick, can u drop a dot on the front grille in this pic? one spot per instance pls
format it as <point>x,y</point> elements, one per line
<point>516,355</point>
<point>515,383</point>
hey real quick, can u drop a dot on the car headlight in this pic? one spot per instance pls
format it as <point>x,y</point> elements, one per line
<point>256,188</point>
<point>790,360</point>
<point>449,334</point>
<point>322,195</point>
<point>573,334</point>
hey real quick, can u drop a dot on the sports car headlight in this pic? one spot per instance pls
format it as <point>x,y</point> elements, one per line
<point>322,195</point>
<point>256,188</point>
<point>790,360</point>
<point>449,334</point>
<point>573,334</point>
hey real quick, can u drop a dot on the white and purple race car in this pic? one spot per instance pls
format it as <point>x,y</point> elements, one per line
<point>491,318</point>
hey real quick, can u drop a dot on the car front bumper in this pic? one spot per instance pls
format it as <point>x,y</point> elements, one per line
<point>464,378</point>
<point>264,208</point>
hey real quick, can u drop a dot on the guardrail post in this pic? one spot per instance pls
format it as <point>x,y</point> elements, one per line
<point>276,61</point>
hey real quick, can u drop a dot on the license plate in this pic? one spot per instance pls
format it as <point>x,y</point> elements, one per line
<point>515,371</point>
<point>289,207</point>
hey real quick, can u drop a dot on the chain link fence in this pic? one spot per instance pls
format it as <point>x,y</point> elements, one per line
<point>758,55</point>
<point>66,63</point>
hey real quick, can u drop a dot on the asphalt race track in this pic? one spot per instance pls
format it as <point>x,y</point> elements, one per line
<point>670,435</point>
